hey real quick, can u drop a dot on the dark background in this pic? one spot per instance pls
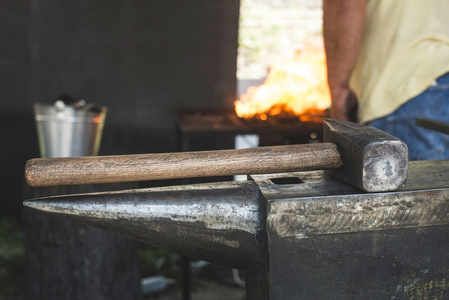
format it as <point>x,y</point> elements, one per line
<point>145,60</point>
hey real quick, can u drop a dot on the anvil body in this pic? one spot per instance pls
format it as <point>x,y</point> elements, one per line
<point>300,235</point>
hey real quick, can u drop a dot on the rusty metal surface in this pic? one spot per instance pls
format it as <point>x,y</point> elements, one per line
<point>319,204</point>
<point>372,159</point>
<point>329,241</point>
<point>354,213</point>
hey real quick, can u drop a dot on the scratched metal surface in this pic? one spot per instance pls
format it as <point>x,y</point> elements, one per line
<point>329,241</point>
<point>216,222</point>
<point>421,175</point>
<point>372,160</point>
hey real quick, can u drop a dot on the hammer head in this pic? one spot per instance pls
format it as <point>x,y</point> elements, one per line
<point>373,160</point>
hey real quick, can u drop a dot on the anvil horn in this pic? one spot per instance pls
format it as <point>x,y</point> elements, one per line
<point>219,222</point>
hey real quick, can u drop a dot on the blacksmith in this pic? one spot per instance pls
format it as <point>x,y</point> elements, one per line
<point>388,63</point>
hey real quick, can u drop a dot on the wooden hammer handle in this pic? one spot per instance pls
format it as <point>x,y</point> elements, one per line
<point>139,167</point>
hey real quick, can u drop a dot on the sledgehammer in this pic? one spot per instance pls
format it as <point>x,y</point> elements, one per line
<point>362,156</point>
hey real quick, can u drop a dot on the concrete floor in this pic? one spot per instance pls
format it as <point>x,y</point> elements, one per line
<point>210,291</point>
<point>214,283</point>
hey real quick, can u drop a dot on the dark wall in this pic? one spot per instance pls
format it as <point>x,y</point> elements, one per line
<point>144,60</point>
<point>17,140</point>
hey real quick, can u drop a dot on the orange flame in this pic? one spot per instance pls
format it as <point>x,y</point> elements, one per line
<point>293,87</point>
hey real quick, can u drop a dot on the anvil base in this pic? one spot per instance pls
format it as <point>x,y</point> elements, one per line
<point>328,241</point>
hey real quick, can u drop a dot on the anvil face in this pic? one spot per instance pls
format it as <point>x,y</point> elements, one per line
<point>327,240</point>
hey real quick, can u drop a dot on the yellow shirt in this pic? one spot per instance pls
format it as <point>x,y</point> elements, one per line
<point>405,48</point>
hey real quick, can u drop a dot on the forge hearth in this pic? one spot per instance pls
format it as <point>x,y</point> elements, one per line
<point>280,130</point>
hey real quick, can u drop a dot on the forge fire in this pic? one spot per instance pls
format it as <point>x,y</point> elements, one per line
<point>295,87</point>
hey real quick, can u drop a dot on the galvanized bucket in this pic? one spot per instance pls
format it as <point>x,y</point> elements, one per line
<point>66,130</point>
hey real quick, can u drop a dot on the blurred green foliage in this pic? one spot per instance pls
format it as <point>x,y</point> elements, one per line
<point>156,261</point>
<point>12,252</point>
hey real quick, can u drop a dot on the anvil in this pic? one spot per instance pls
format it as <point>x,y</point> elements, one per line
<point>300,235</point>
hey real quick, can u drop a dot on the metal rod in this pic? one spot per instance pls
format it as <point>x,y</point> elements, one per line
<point>433,125</point>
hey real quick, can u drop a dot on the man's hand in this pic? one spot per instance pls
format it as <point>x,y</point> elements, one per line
<point>343,24</point>
<point>344,105</point>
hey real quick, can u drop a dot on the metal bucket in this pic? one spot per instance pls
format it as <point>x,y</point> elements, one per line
<point>69,130</point>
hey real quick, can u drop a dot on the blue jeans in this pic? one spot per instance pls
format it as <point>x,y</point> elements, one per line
<point>423,144</point>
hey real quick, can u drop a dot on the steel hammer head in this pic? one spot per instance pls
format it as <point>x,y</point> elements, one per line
<point>373,160</point>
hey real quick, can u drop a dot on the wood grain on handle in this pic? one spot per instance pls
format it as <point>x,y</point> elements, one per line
<point>41,172</point>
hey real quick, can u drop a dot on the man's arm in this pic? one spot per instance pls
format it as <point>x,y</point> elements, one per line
<point>343,24</point>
